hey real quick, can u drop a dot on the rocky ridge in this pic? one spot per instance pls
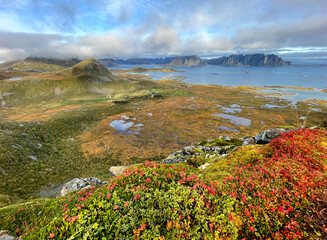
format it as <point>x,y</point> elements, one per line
<point>187,61</point>
<point>249,60</point>
<point>220,146</point>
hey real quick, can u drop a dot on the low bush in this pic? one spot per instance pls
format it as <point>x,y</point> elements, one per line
<point>276,191</point>
<point>152,201</point>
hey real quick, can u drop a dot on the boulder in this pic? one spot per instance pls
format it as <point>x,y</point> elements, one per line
<point>4,235</point>
<point>269,135</point>
<point>117,170</point>
<point>80,183</point>
<point>248,141</point>
<point>227,138</point>
<point>73,185</point>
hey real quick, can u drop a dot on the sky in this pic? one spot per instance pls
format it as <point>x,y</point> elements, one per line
<point>159,28</point>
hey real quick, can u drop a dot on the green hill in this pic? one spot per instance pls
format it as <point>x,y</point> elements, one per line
<point>92,70</point>
<point>39,64</point>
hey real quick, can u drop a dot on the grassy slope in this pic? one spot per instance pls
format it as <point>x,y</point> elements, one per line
<point>58,158</point>
<point>255,192</point>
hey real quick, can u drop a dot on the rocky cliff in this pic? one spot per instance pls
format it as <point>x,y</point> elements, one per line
<point>187,61</point>
<point>249,60</point>
<point>181,61</point>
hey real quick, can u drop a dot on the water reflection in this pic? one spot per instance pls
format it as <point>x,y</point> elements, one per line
<point>236,120</point>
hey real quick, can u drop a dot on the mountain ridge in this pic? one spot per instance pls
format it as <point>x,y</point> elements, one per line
<point>249,60</point>
<point>43,64</point>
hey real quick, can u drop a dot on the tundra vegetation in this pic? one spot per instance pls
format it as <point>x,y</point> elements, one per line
<point>57,125</point>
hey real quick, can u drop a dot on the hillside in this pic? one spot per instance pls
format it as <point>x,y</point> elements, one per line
<point>249,60</point>
<point>39,64</point>
<point>93,71</point>
<point>108,62</point>
<point>273,191</point>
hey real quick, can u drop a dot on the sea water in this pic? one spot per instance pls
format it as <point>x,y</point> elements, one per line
<point>305,76</point>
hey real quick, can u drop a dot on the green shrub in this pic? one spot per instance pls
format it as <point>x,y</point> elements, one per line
<point>151,201</point>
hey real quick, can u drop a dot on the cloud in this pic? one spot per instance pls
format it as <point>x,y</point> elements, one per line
<point>161,40</point>
<point>309,32</point>
<point>128,28</point>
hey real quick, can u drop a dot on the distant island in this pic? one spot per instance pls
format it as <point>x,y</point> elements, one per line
<point>249,60</point>
<point>187,61</point>
<point>256,60</point>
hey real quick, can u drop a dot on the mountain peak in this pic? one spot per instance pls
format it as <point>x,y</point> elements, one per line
<point>91,68</point>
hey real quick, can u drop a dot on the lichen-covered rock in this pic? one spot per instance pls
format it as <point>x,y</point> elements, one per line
<point>71,186</point>
<point>117,170</point>
<point>269,135</point>
<point>248,141</point>
<point>80,183</point>
<point>191,151</point>
<point>4,235</point>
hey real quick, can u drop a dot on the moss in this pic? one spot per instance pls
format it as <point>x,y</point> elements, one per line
<point>288,127</point>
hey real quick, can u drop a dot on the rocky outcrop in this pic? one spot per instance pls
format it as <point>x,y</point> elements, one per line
<point>269,135</point>
<point>249,60</point>
<point>186,61</point>
<point>219,146</point>
<point>71,186</point>
<point>4,235</point>
<point>211,148</point>
<point>192,151</point>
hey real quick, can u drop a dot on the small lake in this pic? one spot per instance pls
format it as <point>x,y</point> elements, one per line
<point>240,121</point>
<point>14,79</point>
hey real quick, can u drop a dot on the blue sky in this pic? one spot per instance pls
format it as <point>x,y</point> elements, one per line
<point>149,28</point>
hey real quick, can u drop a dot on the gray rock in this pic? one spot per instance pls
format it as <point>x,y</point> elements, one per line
<point>227,138</point>
<point>117,170</point>
<point>204,166</point>
<point>188,148</point>
<point>16,146</point>
<point>3,171</point>
<point>174,160</point>
<point>71,186</point>
<point>186,152</point>
<point>248,141</point>
<point>4,235</point>
<point>80,183</point>
<point>33,157</point>
<point>269,135</point>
